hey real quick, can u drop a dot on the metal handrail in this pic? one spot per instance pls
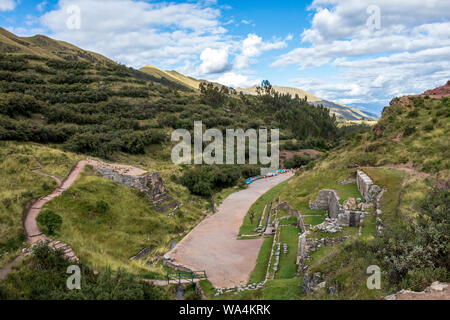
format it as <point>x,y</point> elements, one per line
<point>186,276</point>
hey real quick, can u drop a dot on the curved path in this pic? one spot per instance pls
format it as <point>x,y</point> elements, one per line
<point>34,235</point>
<point>213,246</point>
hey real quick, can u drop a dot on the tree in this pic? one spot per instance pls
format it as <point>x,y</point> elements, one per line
<point>50,220</point>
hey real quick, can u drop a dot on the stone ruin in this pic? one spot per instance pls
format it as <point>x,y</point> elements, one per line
<point>368,189</point>
<point>292,212</point>
<point>327,200</point>
<point>149,183</point>
<point>351,212</point>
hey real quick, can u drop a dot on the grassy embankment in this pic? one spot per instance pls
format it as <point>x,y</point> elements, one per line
<point>19,185</point>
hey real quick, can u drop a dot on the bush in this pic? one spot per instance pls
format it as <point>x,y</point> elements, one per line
<point>49,282</point>
<point>101,206</point>
<point>50,220</point>
<point>411,252</point>
<point>409,131</point>
<point>296,161</point>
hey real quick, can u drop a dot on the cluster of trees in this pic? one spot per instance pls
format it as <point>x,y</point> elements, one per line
<point>297,161</point>
<point>49,283</point>
<point>205,180</point>
<point>70,102</point>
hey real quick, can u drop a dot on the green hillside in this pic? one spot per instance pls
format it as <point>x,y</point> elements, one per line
<point>407,152</point>
<point>60,104</point>
<point>341,111</point>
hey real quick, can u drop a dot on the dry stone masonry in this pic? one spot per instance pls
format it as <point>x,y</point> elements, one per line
<point>150,183</point>
<point>327,200</point>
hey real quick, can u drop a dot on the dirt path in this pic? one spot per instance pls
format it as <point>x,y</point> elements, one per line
<point>212,245</point>
<point>34,235</point>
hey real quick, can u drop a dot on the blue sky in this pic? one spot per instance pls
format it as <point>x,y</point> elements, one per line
<point>357,52</point>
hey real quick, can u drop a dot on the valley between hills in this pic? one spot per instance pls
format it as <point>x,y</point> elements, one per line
<point>87,178</point>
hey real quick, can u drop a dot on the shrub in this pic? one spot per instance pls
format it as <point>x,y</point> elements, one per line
<point>101,206</point>
<point>50,220</point>
<point>409,131</point>
<point>413,114</point>
<point>296,161</point>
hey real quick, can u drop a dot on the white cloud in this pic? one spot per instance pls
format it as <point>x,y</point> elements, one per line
<point>252,47</point>
<point>7,5</point>
<point>137,33</point>
<point>214,61</point>
<point>408,54</point>
<point>236,80</point>
<point>41,6</point>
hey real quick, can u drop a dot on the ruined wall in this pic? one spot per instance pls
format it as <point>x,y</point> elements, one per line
<point>295,213</point>
<point>327,200</point>
<point>350,218</point>
<point>366,186</point>
<point>151,183</point>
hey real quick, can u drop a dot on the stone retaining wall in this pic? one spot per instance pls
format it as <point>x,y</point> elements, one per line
<point>152,183</point>
<point>366,186</point>
<point>327,200</point>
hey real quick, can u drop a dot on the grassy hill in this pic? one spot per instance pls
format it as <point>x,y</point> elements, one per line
<point>340,110</point>
<point>407,152</point>
<point>343,112</point>
<point>60,104</point>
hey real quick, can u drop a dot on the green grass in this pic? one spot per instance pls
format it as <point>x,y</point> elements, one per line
<point>314,220</point>
<point>287,267</point>
<point>19,185</point>
<point>247,227</point>
<point>283,289</point>
<point>369,227</point>
<point>259,272</point>
<point>112,238</point>
<point>346,191</point>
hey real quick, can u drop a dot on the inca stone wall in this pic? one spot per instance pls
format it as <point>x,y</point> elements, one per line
<point>295,213</point>
<point>366,186</point>
<point>152,183</point>
<point>327,200</point>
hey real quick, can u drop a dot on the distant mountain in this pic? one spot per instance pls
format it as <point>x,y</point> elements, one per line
<point>174,76</point>
<point>340,110</point>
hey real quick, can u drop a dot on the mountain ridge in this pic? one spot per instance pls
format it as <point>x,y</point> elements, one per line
<point>340,110</point>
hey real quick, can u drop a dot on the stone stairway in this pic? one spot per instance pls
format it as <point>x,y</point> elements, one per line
<point>66,249</point>
<point>164,202</point>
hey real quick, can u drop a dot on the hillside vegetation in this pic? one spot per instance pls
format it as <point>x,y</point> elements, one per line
<point>407,152</point>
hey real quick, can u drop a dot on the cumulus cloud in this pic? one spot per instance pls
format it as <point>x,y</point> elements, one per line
<point>252,47</point>
<point>237,80</point>
<point>214,61</point>
<point>7,5</point>
<point>137,32</point>
<point>407,54</point>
